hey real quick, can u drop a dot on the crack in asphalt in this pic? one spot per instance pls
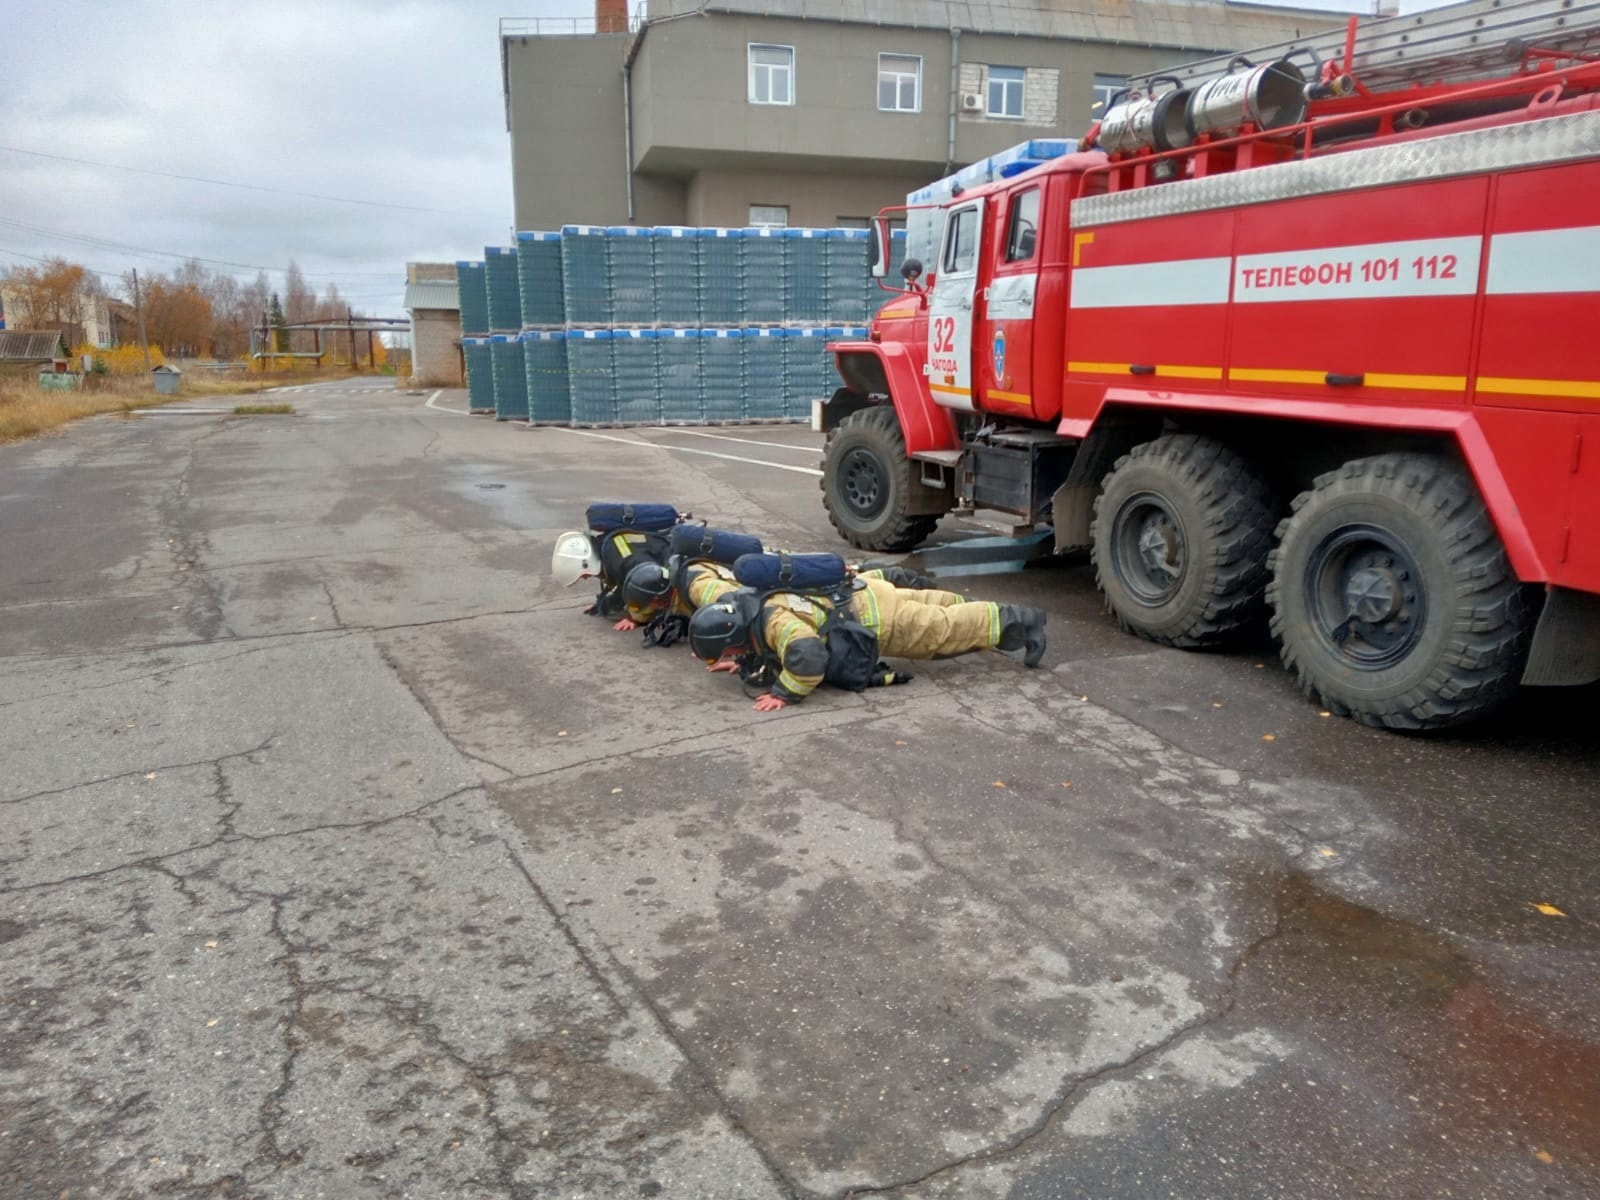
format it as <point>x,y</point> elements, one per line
<point>393,663</point>
<point>238,639</point>
<point>154,861</point>
<point>189,545</point>
<point>1074,1086</point>
<point>333,605</point>
<point>143,771</point>
<point>1066,1096</point>
<point>328,635</point>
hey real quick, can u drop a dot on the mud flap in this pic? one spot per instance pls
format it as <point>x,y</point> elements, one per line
<point>1566,642</point>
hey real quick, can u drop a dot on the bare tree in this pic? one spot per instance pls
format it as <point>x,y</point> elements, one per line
<point>299,301</point>
<point>54,295</point>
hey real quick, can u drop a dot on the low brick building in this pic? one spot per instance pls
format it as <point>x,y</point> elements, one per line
<point>434,306</point>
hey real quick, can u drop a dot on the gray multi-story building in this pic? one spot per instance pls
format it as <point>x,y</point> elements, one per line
<point>820,112</point>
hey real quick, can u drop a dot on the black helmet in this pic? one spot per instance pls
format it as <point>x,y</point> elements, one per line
<point>725,625</point>
<point>647,590</point>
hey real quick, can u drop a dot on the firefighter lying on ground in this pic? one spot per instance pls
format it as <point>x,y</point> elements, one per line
<point>796,641</point>
<point>660,600</point>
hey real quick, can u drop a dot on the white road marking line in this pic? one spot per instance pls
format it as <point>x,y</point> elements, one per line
<point>606,437</point>
<point>722,437</point>
<point>182,412</point>
<point>429,403</point>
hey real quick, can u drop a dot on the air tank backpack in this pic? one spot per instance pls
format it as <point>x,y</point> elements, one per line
<point>852,647</point>
<point>688,543</point>
<point>623,536</point>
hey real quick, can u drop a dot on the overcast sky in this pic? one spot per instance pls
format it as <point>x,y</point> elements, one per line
<point>396,105</point>
<point>393,104</point>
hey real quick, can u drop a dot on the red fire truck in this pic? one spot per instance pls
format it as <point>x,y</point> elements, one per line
<point>1314,341</point>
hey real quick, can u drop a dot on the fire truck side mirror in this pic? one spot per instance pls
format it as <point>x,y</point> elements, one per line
<point>911,270</point>
<point>878,248</point>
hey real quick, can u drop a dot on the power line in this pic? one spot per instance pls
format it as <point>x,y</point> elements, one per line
<point>46,261</point>
<point>251,187</point>
<point>124,248</point>
<point>119,277</point>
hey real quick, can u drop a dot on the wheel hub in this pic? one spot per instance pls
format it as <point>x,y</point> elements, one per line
<point>1148,549</point>
<point>1372,594</point>
<point>864,484</point>
<point>1364,596</point>
<point>1159,546</point>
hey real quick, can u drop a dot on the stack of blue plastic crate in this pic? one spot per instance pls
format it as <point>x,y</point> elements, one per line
<point>510,378</point>
<point>504,291</point>
<point>544,356</point>
<point>806,275</point>
<point>720,285</point>
<point>586,290</point>
<point>677,275</point>
<point>472,290</point>
<point>678,375</point>
<point>480,373</point>
<point>539,279</point>
<point>763,363</point>
<point>763,274</point>
<point>631,273</point>
<point>589,370</point>
<point>845,258</point>
<point>722,375</point>
<point>633,373</point>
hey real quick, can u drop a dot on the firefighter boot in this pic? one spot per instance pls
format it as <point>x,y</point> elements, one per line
<point>1022,629</point>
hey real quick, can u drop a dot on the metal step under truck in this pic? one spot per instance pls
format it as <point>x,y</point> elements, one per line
<point>1312,335</point>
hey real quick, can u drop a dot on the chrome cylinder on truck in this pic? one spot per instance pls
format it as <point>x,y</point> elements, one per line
<point>1139,122</point>
<point>1268,97</point>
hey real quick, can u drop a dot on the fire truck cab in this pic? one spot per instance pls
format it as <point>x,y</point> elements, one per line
<point>1313,351</point>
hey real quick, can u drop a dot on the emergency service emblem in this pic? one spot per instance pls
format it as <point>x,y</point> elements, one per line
<point>1000,354</point>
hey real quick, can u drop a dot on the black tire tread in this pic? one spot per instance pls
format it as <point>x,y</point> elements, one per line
<point>905,531</point>
<point>1239,508</point>
<point>1492,614</point>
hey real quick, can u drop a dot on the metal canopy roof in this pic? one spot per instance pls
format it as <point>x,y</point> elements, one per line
<point>29,345</point>
<point>431,293</point>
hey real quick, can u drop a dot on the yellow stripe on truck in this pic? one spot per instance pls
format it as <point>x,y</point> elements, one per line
<point>1572,389</point>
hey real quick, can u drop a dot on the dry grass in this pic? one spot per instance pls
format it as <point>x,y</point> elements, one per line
<point>247,410</point>
<point>26,409</point>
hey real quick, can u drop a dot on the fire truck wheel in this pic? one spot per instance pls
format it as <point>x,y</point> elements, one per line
<point>1181,532</point>
<point>1393,598</point>
<point>867,483</point>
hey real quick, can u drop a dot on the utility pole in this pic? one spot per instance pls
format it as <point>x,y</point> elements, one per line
<point>138,313</point>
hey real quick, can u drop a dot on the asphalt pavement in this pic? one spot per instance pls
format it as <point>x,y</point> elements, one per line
<point>343,857</point>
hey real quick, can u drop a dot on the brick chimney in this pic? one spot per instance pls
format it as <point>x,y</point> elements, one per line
<point>611,16</point>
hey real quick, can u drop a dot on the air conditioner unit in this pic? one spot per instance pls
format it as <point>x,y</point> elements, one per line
<point>971,102</point>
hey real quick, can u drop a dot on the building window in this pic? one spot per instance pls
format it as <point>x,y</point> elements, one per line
<point>899,83</point>
<point>1022,238</point>
<point>1005,92</point>
<point>1106,88</point>
<point>769,216</point>
<point>771,74</point>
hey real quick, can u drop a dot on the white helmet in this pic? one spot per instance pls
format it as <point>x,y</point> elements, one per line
<point>574,558</point>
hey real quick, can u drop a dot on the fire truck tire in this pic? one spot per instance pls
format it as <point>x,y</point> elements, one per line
<point>1392,596</point>
<point>1182,528</point>
<point>867,483</point>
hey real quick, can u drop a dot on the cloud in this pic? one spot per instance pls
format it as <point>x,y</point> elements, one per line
<point>392,103</point>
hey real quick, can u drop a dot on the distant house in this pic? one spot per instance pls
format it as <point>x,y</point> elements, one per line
<point>23,350</point>
<point>434,305</point>
<point>95,326</point>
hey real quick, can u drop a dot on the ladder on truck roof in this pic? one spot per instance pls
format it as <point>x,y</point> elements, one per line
<point>1479,39</point>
